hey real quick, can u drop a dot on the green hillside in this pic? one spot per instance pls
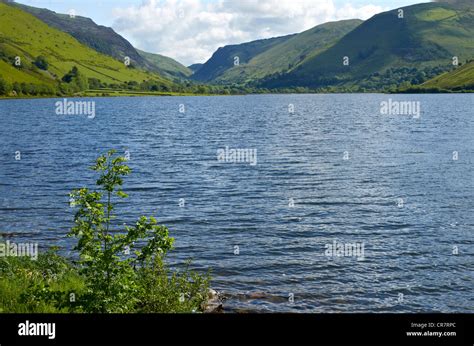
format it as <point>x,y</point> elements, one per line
<point>100,38</point>
<point>386,49</point>
<point>165,65</point>
<point>386,53</point>
<point>290,53</point>
<point>460,79</point>
<point>105,40</point>
<point>224,58</point>
<point>23,35</point>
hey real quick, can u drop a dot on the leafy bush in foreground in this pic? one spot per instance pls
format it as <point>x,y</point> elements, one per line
<point>114,274</point>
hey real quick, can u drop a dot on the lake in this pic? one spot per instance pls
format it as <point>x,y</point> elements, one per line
<point>298,203</point>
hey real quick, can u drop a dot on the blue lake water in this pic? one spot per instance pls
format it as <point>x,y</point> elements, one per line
<point>334,170</point>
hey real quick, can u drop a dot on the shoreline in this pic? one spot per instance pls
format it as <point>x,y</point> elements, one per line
<point>221,95</point>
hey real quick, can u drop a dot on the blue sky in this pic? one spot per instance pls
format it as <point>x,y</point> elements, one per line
<point>191,30</point>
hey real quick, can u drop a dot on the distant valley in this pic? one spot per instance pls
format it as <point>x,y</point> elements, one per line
<point>427,47</point>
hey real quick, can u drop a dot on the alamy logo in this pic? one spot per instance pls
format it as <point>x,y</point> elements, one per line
<point>37,329</point>
<point>237,156</point>
<point>392,107</point>
<point>338,249</point>
<point>66,107</point>
<point>8,249</point>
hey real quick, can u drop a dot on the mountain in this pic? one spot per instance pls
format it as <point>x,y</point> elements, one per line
<point>166,66</point>
<point>25,36</point>
<point>288,54</point>
<point>225,57</point>
<point>429,35</point>
<point>195,67</point>
<point>100,38</point>
<point>461,78</point>
<point>385,53</point>
<point>105,40</point>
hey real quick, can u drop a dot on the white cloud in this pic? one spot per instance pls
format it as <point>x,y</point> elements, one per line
<point>191,30</point>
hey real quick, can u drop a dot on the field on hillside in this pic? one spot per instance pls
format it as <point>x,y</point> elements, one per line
<point>23,35</point>
<point>463,76</point>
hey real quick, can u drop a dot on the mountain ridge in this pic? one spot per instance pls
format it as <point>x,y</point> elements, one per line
<point>25,37</point>
<point>225,57</point>
<point>289,54</point>
<point>429,35</point>
<point>106,41</point>
<point>384,53</point>
<point>166,65</point>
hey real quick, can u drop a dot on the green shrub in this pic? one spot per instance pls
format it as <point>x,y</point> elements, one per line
<point>114,274</point>
<point>164,291</point>
<point>5,87</point>
<point>75,80</point>
<point>41,63</point>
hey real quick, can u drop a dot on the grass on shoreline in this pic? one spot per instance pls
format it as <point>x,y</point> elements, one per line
<point>26,286</point>
<point>119,93</point>
<point>20,274</point>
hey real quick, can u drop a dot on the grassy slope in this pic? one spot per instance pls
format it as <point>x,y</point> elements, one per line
<point>22,34</point>
<point>290,53</point>
<point>100,38</point>
<point>223,59</point>
<point>460,78</point>
<point>166,65</point>
<point>106,41</point>
<point>430,34</point>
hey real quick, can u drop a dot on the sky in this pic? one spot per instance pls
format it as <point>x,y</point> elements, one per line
<point>190,31</point>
